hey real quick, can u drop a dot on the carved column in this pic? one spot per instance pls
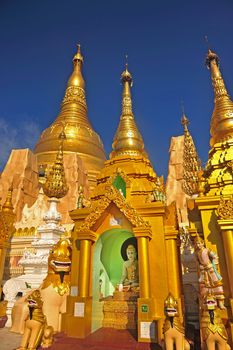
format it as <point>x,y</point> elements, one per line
<point>143,235</point>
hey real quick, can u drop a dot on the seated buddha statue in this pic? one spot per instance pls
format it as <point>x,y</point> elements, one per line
<point>130,276</point>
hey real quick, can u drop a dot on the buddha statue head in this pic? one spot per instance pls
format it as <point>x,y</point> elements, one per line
<point>131,253</point>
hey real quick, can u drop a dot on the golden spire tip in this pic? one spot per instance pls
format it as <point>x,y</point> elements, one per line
<point>126,76</point>
<point>78,57</point>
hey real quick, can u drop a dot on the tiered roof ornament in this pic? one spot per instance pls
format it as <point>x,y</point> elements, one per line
<point>127,140</point>
<point>191,162</point>
<point>55,185</point>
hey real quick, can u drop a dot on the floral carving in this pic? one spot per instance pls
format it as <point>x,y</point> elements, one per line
<point>225,209</point>
<point>75,94</point>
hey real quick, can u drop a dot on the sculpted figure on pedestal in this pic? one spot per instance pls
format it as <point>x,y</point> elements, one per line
<point>35,322</point>
<point>210,280</point>
<point>54,289</point>
<point>213,332</point>
<point>82,201</point>
<point>173,329</point>
<point>130,276</point>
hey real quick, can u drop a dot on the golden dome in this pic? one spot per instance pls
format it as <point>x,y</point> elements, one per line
<point>221,127</point>
<point>73,120</point>
<point>127,139</point>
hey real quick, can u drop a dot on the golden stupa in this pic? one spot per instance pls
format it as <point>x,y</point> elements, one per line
<point>73,120</point>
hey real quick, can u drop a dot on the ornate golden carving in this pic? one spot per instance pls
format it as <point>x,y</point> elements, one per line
<point>159,192</point>
<point>120,314</point>
<point>99,206</point>
<point>191,162</point>
<point>7,217</point>
<point>74,94</point>
<point>55,185</point>
<point>225,209</point>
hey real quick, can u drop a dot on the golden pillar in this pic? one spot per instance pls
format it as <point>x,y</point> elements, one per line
<point>173,265</point>
<point>144,271</point>
<point>226,227</point>
<point>145,302</point>
<point>173,268</point>
<point>84,267</point>
<point>78,323</point>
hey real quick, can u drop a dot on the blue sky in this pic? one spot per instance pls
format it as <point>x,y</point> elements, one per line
<point>165,44</point>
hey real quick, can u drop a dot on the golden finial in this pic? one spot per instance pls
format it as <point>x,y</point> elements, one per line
<point>78,56</point>
<point>76,80</point>
<point>8,206</point>
<point>191,162</point>
<point>55,185</point>
<point>221,124</point>
<point>127,139</point>
<point>126,76</point>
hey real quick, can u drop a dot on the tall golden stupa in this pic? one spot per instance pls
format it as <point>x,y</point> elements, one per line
<point>73,120</point>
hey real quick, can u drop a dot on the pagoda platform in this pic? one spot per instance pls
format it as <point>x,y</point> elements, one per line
<point>103,339</point>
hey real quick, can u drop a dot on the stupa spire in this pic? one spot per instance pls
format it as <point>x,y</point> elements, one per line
<point>221,127</point>
<point>127,139</point>
<point>75,98</point>
<point>191,161</point>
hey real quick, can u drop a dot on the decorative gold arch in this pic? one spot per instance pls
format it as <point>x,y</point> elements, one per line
<point>112,195</point>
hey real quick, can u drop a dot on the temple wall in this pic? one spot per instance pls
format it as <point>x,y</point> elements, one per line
<point>20,172</point>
